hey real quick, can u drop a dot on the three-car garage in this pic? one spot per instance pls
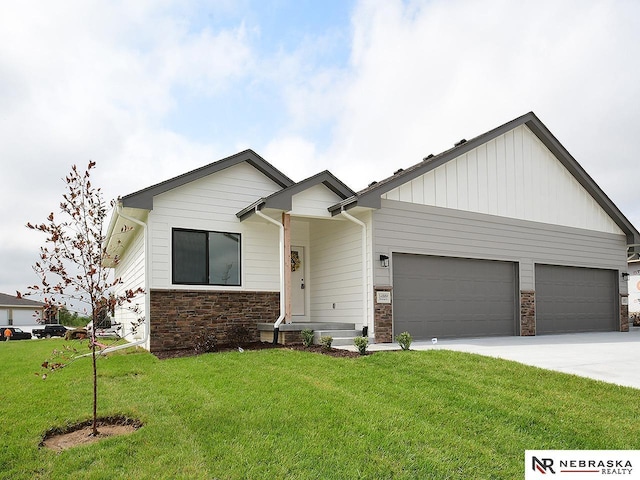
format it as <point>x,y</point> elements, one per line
<point>438,296</point>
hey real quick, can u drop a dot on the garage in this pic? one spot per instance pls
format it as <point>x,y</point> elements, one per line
<point>575,299</point>
<point>437,296</point>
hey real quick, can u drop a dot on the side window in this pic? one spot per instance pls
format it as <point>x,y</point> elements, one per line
<point>206,258</point>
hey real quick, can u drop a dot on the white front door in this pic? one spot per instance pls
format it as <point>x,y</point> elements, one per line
<point>297,281</point>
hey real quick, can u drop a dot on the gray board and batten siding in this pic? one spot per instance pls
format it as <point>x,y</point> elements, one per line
<point>402,227</point>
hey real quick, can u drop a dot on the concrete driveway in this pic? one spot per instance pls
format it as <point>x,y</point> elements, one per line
<point>608,356</point>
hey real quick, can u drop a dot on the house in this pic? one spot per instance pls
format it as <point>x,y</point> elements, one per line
<point>503,234</point>
<point>20,311</point>
<point>634,288</point>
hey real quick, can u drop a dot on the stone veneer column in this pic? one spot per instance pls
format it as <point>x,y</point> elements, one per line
<point>624,312</point>
<point>527,313</point>
<point>382,317</point>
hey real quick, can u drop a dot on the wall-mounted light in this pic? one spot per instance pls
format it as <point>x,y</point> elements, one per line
<point>625,275</point>
<point>384,260</point>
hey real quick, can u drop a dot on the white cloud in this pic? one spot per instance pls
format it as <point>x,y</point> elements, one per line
<point>296,157</point>
<point>97,80</point>
<point>426,74</point>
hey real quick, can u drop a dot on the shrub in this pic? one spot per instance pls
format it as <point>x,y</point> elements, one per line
<point>362,343</point>
<point>326,342</point>
<point>238,335</point>
<point>404,339</point>
<point>307,337</point>
<point>204,342</point>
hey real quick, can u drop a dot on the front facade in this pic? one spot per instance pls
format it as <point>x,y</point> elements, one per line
<point>502,235</point>
<point>20,312</point>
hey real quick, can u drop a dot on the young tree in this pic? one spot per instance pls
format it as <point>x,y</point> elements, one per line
<point>70,267</point>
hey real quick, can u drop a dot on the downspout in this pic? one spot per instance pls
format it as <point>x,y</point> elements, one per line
<point>280,226</point>
<point>147,300</point>
<point>365,277</point>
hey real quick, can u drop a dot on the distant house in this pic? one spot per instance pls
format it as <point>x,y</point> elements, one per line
<point>634,287</point>
<point>20,311</point>
<point>503,234</point>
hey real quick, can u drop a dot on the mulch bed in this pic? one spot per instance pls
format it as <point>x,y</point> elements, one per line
<point>332,352</point>
<point>63,438</point>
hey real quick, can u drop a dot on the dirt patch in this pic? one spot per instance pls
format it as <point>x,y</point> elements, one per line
<point>59,439</point>
<point>333,352</point>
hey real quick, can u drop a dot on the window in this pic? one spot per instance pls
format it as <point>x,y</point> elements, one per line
<point>206,258</point>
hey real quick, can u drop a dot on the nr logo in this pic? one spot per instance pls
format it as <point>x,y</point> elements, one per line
<point>542,465</point>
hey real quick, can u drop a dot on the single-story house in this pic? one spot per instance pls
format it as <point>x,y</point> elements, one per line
<point>20,311</point>
<point>634,287</point>
<point>503,234</point>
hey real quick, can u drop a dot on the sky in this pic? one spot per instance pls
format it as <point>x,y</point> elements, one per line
<point>150,89</point>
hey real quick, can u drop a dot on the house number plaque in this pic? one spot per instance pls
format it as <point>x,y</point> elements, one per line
<point>383,297</point>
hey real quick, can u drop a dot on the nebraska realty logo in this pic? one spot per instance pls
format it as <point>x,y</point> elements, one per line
<point>567,464</point>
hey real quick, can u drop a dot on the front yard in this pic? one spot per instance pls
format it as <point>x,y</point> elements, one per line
<point>288,414</point>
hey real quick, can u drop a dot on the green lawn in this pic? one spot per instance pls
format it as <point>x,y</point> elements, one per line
<point>286,414</point>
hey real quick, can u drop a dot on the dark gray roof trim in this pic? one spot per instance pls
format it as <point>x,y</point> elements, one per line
<point>371,196</point>
<point>144,198</point>
<point>11,301</point>
<point>282,200</point>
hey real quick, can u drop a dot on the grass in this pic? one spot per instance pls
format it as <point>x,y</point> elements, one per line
<point>287,414</point>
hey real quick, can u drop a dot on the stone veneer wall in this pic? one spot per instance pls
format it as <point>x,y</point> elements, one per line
<point>177,316</point>
<point>527,313</point>
<point>624,315</point>
<point>383,317</point>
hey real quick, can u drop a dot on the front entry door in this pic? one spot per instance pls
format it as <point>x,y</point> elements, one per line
<point>297,281</point>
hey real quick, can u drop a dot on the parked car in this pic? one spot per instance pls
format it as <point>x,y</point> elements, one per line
<point>16,333</point>
<point>50,331</point>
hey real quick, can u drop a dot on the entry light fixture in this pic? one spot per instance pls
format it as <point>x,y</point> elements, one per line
<point>625,275</point>
<point>384,260</point>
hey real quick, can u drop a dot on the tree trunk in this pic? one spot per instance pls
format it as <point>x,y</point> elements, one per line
<point>95,385</point>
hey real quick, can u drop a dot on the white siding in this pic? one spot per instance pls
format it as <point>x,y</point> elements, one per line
<point>421,229</point>
<point>634,287</point>
<point>336,272</point>
<point>313,202</point>
<point>130,270</point>
<point>211,204</point>
<point>20,316</point>
<point>513,175</point>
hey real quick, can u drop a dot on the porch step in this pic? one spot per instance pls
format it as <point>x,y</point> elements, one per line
<point>342,333</point>
<point>341,338</point>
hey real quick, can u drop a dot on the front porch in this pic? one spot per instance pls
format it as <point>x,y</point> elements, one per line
<point>288,333</point>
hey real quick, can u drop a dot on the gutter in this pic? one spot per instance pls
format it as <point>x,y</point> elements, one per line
<point>147,300</point>
<point>280,226</point>
<point>365,277</point>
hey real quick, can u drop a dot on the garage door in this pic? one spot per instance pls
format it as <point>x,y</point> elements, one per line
<point>453,297</point>
<point>572,299</point>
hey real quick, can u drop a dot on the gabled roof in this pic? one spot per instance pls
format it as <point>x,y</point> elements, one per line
<point>11,301</point>
<point>144,198</point>
<point>371,196</point>
<point>282,199</point>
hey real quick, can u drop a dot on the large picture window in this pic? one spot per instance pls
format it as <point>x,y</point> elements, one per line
<point>206,258</point>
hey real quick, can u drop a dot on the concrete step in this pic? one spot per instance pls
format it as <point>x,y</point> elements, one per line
<point>341,338</point>
<point>336,333</point>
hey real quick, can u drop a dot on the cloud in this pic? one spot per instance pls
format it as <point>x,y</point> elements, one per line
<point>96,80</point>
<point>116,82</point>
<point>423,75</point>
